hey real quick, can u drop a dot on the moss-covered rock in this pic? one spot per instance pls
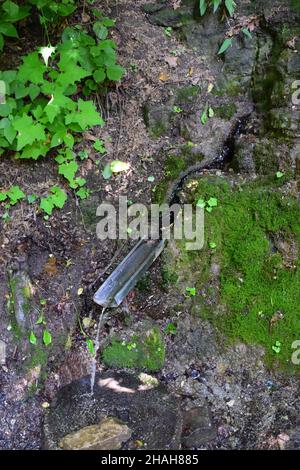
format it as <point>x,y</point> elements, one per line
<point>247,275</point>
<point>142,351</point>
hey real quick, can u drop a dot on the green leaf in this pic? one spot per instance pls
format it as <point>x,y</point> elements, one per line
<point>99,146</point>
<point>59,197</point>
<point>279,174</point>
<point>115,72</point>
<point>247,33</point>
<point>212,202</point>
<point>32,69</point>
<point>86,116</point>
<point>47,205</point>
<point>47,338</point>
<point>230,5</point>
<point>15,194</point>
<point>90,346</point>
<point>32,338</point>
<point>28,131</point>
<point>204,117</point>
<point>58,103</point>
<point>3,196</point>
<point>211,112</point>
<point>201,203</point>
<point>202,7</point>
<point>99,75</point>
<point>212,245</point>
<point>107,173</point>
<point>82,193</point>
<point>191,291</point>
<point>8,30</point>
<point>216,4</point>
<point>226,44</point>
<point>68,170</point>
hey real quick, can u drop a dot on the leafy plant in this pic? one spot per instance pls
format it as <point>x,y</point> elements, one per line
<point>10,13</point>
<point>228,6</point>
<point>42,113</point>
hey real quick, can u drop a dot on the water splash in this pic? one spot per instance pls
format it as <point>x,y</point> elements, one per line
<point>96,347</point>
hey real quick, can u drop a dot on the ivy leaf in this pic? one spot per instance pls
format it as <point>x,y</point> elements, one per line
<point>15,194</point>
<point>212,202</point>
<point>59,197</point>
<point>68,170</point>
<point>86,116</point>
<point>226,44</point>
<point>28,131</point>
<point>47,205</point>
<point>56,104</point>
<point>32,69</point>
<point>3,196</point>
<point>83,193</point>
<point>73,74</point>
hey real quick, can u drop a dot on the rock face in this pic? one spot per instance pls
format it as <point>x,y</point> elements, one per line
<point>152,415</point>
<point>109,434</point>
<point>198,427</point>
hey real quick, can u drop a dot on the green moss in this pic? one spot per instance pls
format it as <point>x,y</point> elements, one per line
<point>174,165</point>
<point>144,284</point>
<point>228,88</point>
<point>169,277</point>
<point>226,111</point>
<point>158,129</point>
<point>187,94</point>
<point>256,281</point>
<point>141,352</point>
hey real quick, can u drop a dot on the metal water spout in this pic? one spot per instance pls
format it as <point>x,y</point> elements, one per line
<point>128,272</point>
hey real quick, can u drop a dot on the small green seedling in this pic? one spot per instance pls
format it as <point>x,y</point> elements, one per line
<point>277,347</point>
<point>191,291</point>
<point>168,31</point>
<point>177,109</point>
<point>279,174</point>
<point>212,245</point>
<point>170,329</point>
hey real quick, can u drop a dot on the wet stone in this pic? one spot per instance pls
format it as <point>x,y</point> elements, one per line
<point>153,414</point>
<point>109,434</point>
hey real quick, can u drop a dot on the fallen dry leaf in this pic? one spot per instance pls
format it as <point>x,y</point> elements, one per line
<point>172,61</point>
<point>164,77</point>
<point>50,266</point>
